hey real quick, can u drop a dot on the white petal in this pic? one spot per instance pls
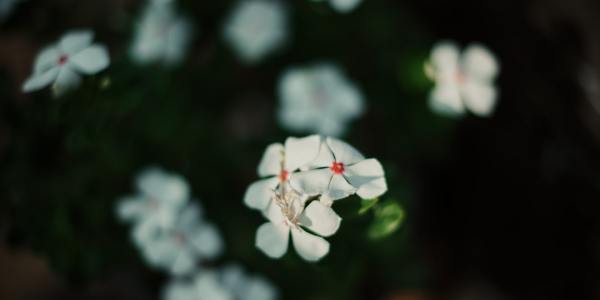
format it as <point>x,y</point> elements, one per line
<point>75,41</point>
<point>46,59</point>
<point>257,288</point>
<point>91,60</point>
<point>324,159</point>
<point>345,6</point>
<point>479,63</point>
<point>130,208</point>
<point>184,263</point>
<point>206,240</point>
<point>300,151</point>
<point>479,97</point>
<point>233,278</point>
<point>273,239</point>
<point>339,188</point>
<point>38,81</point>
<point>445,59</point>
<point>311,182</point>
<point>321,219</point>
<point>270,164</point>
<point>260,192</point>
<point>178,290</point>
<point>178,39</point>
<point>308,246</point>
<point>273,213</point>
<point>168,188</point>
<point>364,172</point>
<point>66,80</point>
<point>208,287</point>
<point>445,99</point>
<point>343,152</point>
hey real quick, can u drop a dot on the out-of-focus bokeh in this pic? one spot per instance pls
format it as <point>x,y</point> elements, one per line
<point>500,205</point>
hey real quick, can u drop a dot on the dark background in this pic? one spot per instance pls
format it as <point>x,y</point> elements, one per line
<point>500,208</point>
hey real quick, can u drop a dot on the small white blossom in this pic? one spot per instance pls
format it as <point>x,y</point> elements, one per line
<point>278,163</point>
<point>256,28</point>
<point>160,197</point>
<point>340,171</point>
<point>161,36</point>
<point>287,214</point>
<point>246,287</point>
<point>179,248</point>
<point>204,285</point>
<point>318,99</point>
<point>61,63</point>
<point>463,81</point>
<point>343,6</point>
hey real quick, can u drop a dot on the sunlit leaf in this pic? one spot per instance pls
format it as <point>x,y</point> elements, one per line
<point>388,218</point>
<point>366,205</point>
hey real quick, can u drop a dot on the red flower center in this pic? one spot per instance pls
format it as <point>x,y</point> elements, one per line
<point>62,59</point>
<point>337,167</point>
<point>284,175</point>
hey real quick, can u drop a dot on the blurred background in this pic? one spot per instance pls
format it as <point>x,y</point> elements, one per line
<point>505,207</point>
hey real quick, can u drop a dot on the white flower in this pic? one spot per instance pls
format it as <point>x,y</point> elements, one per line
<point>178,248</point>
<point>60,64</point>
<point>161,196</point>
<point>340,171</point>
<point>287,214</point>
<point>278,164</point>
<point>161,35</point>
<point>318,99</point>
<point>463,81</point>
<point>246,287</point>
<point>204,285</point>
<point>343,6</point>
<point>255,28</point>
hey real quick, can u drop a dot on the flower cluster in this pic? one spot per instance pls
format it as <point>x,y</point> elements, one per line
<point>463,81</point>
<point>303,179</point>
<point>60,64</point>
<point>162,36</point>
<point>318,99</point>
<point>171,234</point>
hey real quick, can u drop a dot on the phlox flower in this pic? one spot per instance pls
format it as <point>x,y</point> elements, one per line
<point>160,197</point>
<point>180,247</point>
<point>340,171</point>
<point>244,286</point>
<point>318,99</point>
<point>161,35</point>
<point>287,216</point>
<point>278,163</point>
<point>60,64</point>
<point>255,28</point>
<point>463,80</point>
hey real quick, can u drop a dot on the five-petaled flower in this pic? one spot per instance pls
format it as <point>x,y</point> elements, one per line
<point>318,99</point>
<point>463,81</point>
<point>340,171</point>
<point>60,64</point>
<point>256,28</point>
<point>279,163</point>
<point>162,36</point>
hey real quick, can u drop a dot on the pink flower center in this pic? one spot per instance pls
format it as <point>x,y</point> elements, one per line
<point>63,59</point>
<point>180,238</point>
<point>284,175</point>
<point>337,167</point>
<point>460,77</point>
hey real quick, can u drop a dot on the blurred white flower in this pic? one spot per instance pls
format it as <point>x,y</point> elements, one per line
<point>342,6</point>
<point>61,63</point>
<point>318,99</point>
<point>463,81</point>
<point>287,214</point>
<point>246,287</point>
<point>161,35</point>
<point>340,171</point>
<point>160,197</point>
<point>204,285</point>
<point>256,28</point>
<point>278,163</point>
<point>179,248</point>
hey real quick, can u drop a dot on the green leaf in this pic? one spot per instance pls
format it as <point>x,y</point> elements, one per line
<point>388,218</point>
<point>366,205</point>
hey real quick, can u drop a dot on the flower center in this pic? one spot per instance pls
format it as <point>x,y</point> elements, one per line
<point>63,59</point>
<point>460,77</point>
<point>337,167</point>
<point>180,238</point>
<point>284,175</point>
